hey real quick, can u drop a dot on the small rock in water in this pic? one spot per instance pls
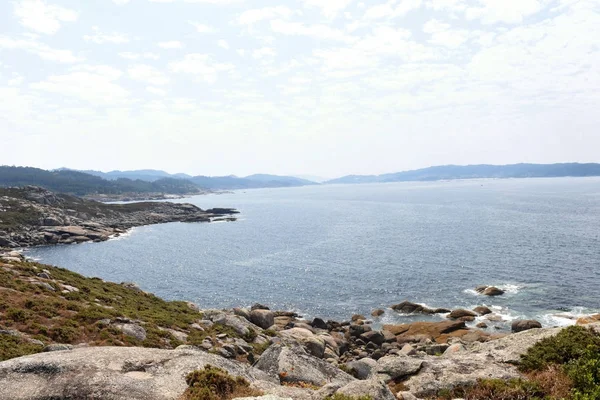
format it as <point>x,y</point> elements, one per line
<point>525,325</point>
<point>482,310</point>
<point>377,313</point>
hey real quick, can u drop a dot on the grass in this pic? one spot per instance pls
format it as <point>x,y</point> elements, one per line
<point>338,396</point>
<point>564,366</point>
<point>77,317</point>
<point>212,383</point>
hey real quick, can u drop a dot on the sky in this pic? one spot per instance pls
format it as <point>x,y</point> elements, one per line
<point>312,87</point>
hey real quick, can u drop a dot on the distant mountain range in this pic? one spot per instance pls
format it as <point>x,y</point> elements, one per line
<point>478,171</point>
<point>230,182</point>
<point>149,183</point>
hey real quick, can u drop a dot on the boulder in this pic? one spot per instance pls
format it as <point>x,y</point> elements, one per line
<point>424,330</point>
<point>133,330</point>
<point>588,319</point>
<point>363,368</point>
<point>524,325</point>
<point>406,307</point>
<point>373,336</point>
<point>258,306</point>
<point>116,373</point>
<point>493,291</point>
<point>295,365</point>
<point>233,322</point>
<point>373,389</point>
<point>377,312</point>
<point>263,318</point>
<point>456,314</point>
<point>390,368</point>
<point>489,290</point>
<point>313,344</point>
<point>482,310</point>
<point>319,323</point>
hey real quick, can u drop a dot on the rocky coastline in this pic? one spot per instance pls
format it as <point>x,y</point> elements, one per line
<point>280,353</point>
<point>33,216</point>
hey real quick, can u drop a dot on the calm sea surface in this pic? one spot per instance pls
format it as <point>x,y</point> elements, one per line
<point>332,251</point>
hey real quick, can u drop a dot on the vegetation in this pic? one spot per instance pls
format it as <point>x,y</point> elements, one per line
<point>81,184</point>
<point>84,316</point>
<point>346,397</point>
<point>212,383</point>
<point>565,366</point>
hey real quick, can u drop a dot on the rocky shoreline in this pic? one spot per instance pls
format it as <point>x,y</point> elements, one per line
<point>280,353</point>
<point>33,216</point>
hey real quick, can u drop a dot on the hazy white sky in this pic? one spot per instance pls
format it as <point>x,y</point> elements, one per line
<point>322,87</point>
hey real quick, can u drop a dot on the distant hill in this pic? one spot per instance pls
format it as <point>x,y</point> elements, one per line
<point>84,184</point>
<point>478,171</point>
<point>250,182</point>
<point>149,175</point>
<point>138,181</point>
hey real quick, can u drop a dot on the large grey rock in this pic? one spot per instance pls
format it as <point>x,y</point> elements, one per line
<point>133,330</point>
<point>363,368</point>
<point>263,318</point>
<point>294,365</point>
<point>232,321</point>
<point>374,388</point>
<point>394,367</point>
<point>524,325</point>
<point>510,348</point>
<point>490,360</point>
<point>110,373</point>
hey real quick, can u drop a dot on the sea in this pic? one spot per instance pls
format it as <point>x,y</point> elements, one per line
<point>332,251</point>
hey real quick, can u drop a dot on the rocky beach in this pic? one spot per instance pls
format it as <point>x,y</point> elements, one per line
<point>99,340</point>
<point>33,216</point>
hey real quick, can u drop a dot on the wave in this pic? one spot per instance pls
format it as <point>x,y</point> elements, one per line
<point>124,235</point>
<point>509,288</point>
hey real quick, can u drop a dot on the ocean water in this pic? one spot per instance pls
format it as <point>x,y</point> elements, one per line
<point>332,251</point>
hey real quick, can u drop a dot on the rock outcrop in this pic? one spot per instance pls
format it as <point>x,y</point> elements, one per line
<point>33,216</point>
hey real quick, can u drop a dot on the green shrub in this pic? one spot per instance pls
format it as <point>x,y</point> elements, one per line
<point>11,347</point>
<point>213,383</point>
<point>339,396</point>
<point>585,374</point>
<point>571,343</point>
<point>496,389</point>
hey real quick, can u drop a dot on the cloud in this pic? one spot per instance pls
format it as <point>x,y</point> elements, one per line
<point>148,74</point>
<point>329,8</point>
<point>253,16</point>
<point>392,10</point>
<point>173,44</point>
<point>99,37</point>
<point>121,2</point>
<point>202,28</point>
<point>41,17</point>
<point>138,56</point>
<point>41,50</point>
<point>222,43</point>
<point>91,83</point>
<point>264,52</point>
<point>156,91</point>
<point>443,35</point>
<point>506,11</point>
<point>203,66</point>
<point>317,31</point>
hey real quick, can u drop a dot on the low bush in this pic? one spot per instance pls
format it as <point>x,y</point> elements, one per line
<point>571,343</point>
<point>212,383</point>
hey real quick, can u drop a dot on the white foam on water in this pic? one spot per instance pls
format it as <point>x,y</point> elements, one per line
<point>566,318</point>
<point>124,235</point>
<point>509,288</point>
